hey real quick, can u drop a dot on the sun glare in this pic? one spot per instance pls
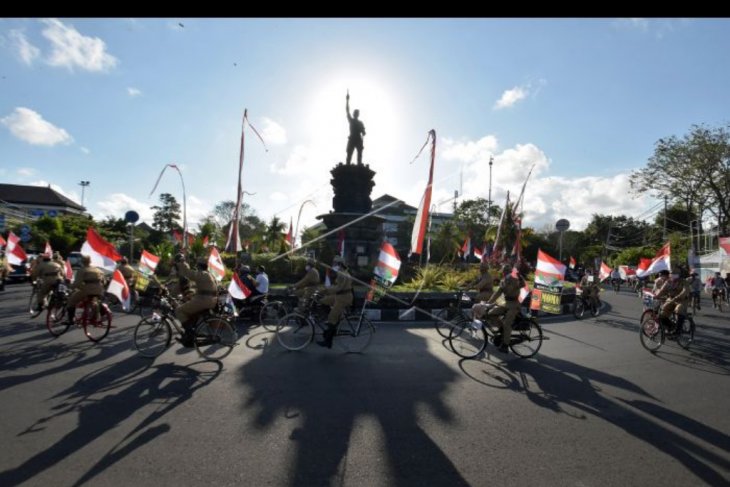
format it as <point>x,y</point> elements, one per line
<point>327,123</point>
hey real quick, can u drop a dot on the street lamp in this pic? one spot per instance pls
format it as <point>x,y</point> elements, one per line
<point>83,185</point>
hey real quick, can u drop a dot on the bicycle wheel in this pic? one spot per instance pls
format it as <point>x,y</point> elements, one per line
<point>294,331</point>
<point>468,339</point>
<point>152,336</point>
<point>97,328</point>
<point>579,308</point>
<point>133,303</point>
<point>271,313</point>
<point>55,321</point>
<point>686,333</point>
<point>215,338</point>
<point>352,338</point>
<point>444,321</point>
<point>33,303</point>
<point>651,334</point>
<point>526,338</point>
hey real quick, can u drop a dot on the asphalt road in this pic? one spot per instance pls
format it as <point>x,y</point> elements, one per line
<point>593,408</point>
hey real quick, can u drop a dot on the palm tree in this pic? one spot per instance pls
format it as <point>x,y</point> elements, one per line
<point>275,232</point>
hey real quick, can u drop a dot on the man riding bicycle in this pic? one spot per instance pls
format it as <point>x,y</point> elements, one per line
<point>89,282</point>
<point>695,287</point>
<point>48,273</point>
<point>305,287</point>
<point>676,293</point>
<point>339,296</point>
<point>205,297</point>
<point>590,288</point>
<point>719,290</point>
<point>510,287</point>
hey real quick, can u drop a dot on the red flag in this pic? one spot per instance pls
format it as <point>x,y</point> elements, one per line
<point>69,270</point>
<point>572,262</point>
<point>215,264</point>
<point>422,216</point>
<point>48,250</point>
<point>237,288</point>
<point>289,239</point>
<point>604,272</point>
<point>102,253</point>
<point>2,241</point>
<point>177,236</point>
<point>119,288</point>
<point>661,261</point>
<point>205,241</point>
<point>466,248</point>
<point>723,241</point>
<point>148,262</point>
<point>16,254</point>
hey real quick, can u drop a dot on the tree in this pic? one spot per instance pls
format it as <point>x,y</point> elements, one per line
<point>274,234</point>
<point>693,170</point>
<point>167,215</point>
<point>473,216</point>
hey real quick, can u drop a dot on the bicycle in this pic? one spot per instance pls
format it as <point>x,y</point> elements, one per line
<point>653,333</point>
<point>272,312</point>
<point>583,302</point>
<point>616,284</point>
<point>92,315</point>
<point>296,330</point>
<point>214,336</point>
<point>694,298</point>
<point>469,338</point>
<point>718,296</point>
<point>33,305</point>
<point>452,314</point>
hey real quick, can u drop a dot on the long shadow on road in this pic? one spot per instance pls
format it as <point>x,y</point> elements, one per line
<point>125,388</point>
<point>324,393</point>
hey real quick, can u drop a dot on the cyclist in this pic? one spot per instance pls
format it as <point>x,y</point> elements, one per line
<point>590,288</point>
<point>49,273</point>
<point>485,284</point>
<point>719,289</point>
<point>89,282</point>
<point>205,297</point>
<point>509,286</point>
<point>305,287</point>
<point>659,281</point>
<point>676,293</point>
<point>615,276</point>
<point>338,296</point>
<point>695,287</point>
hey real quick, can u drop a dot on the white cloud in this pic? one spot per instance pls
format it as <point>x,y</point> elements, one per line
<point>31,127</point>
<point>510,97</point>
<point>25,50</point>
<point>72,195</point>
<point>133,92</point>
<point>117,204</point>
<point>26,171</point>
<point>273,133</point>
<point>278,196</point>
<point>85,150</point>
<point>547,198</point>
<point>71,49</point>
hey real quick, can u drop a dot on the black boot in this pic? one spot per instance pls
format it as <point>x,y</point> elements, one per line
<point>680,322</point>
<point>70,312</point>
<point>328,336</point>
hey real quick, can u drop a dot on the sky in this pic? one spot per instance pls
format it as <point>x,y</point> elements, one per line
<point>583,101</point>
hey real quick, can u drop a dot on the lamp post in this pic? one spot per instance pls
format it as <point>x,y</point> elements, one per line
<point>83,185</point>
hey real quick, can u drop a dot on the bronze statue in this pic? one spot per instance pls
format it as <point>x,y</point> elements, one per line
<point>357,131</point>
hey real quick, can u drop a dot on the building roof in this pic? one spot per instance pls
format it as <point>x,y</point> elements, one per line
<point>35,195</point>
<point>386,199</point>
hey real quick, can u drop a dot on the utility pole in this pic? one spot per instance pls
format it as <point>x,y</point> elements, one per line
<point>664,234</point>
<point>83,185</point>
<point>489,208</point>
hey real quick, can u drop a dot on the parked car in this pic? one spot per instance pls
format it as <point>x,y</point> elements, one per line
<point>21,272</point>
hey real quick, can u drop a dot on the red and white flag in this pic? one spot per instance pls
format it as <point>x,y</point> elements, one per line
<point>572,262</point>
<point>205,241</point>
<point>102,253</point>
<point>549,270</point>
<point>388,264</point>
<point>148,262</point>
<point>3,242</point>
<point>289,238</point>
<point>48,250</point>
<point>478,253</point>
<point>604,271</point>
<point>661,260</point>
<point>237,289</point>
<point>69,270</point>
<point>466,248</point>
<point>341,243</point>
<point>642,267</point>
<point>118,287</point>
<point>724,243</point>
<point>215,264</point>
<point>16,254</point>
<point>422,216</point>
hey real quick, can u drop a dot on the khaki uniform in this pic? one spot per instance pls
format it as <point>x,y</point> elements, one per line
<point>510,287</point>
<point>305,287</point>
<point>49,273</point>
<point>58,259</point>
<point>485,287</point>
<point>339,296</point>
<point>590,288</point>
<point>677,295</point>
<point>130,275</point>
<point>89,282</point>
<point>4,271</point>
<point>205,297</point>
<point>658,283</point>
